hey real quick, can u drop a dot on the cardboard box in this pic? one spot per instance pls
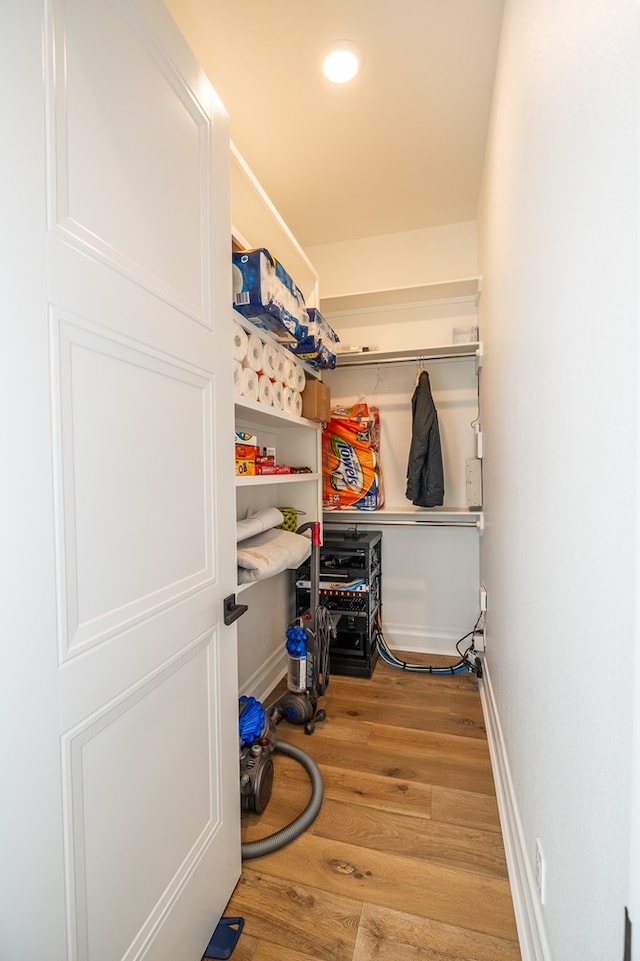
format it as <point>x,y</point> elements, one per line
<point>272,469</point>
<point>243,438</point>
<point>246,460</point>
<point>245,468</point>
<point>246,452</point>
<point>316,401</point>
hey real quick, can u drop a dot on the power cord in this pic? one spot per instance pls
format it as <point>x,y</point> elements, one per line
<point>469,660</point>
<point>324,632</point>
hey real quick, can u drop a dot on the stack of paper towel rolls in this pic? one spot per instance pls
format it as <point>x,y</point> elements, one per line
<point>266,373</point>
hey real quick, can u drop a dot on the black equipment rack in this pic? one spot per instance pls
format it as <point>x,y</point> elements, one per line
<point>350,586</point>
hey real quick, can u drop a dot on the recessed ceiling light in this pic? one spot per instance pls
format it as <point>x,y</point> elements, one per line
<point>341,63</point>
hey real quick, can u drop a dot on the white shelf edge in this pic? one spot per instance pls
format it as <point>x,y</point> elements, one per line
<point>261,414</point>
<point>257,480</point>
<point>461,288</point>
<point>270,207</point>
<point>411,355</point>
<point>269,337</point>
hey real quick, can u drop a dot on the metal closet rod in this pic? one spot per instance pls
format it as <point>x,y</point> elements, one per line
<point>373,361</point>
<point>407,523</point>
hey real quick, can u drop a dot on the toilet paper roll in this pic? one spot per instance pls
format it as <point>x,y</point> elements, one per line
<point>287,399</point>
<point>296,404</point>
<point>270,360</point>
<point>237,377</point>
<point>289,368</point>
<point>240,342</point>
<point>249,383</point>
<point>255,353</point>
<point>299,379</point>
<point>277,397</point>
<point>281,361</point>
<point>265,390</point>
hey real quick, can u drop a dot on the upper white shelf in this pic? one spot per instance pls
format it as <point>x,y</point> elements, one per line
<point>444,352</point>
<point>466,288</point>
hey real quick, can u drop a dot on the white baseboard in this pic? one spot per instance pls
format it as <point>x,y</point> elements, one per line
<point>404,637</point>
<point>529,921</point>
<point>263,681</point>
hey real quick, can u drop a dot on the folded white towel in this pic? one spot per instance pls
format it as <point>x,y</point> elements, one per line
<point>270,553</point>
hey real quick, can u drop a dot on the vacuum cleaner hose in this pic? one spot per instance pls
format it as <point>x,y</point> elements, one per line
<point>257,849</point>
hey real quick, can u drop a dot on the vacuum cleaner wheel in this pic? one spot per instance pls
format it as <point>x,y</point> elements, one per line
<point>297,708</point>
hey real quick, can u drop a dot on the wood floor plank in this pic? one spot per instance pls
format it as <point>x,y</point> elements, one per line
<point>465,807</point>
<point>396,760</point>
<point>428,743</point>
<point>267,951</point>
<point>405,861</point>
<point>386,935</point>
<point>411,798</point>
<point>246,948</point>
<point>420,887</point>
<point>292,788</point>
<point>427,717</point>
<point>288,913</point>
<point>468,848</point>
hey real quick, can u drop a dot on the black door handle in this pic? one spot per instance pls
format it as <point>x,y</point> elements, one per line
<point>231,610</point>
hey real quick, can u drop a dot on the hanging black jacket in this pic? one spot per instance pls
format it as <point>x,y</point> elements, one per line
<point>425,473</point>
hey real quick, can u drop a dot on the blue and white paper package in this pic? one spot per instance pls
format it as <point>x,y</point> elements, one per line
<point>318,348</point>
<point>264,293</point>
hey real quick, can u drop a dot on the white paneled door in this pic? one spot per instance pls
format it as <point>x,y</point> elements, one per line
<point>119,810</point>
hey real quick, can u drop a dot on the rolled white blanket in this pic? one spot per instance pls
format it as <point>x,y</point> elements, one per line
<point>261,521</point>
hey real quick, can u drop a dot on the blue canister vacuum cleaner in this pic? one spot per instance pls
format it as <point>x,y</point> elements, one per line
<point>307,645</point>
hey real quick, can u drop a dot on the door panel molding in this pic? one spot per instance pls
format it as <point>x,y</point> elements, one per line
<point>113,407</point>
<point>95,121</point>
<point>150,859</point>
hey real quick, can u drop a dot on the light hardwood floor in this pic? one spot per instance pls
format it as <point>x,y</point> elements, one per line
<point>405,859</point>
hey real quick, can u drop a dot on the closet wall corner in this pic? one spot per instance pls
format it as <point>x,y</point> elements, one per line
<point>432,555</point>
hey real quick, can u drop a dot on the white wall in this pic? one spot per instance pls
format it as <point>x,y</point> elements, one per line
<point>414,257</point>
<point>430,575</point>
<point>559,317</point>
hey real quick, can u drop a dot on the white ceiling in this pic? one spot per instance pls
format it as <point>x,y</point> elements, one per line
<point>399,148</point>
